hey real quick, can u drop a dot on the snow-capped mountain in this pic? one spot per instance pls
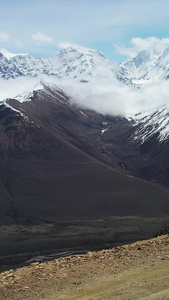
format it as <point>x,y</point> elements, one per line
<point>81,63</point>
<point>74,63</point>
<point>147,65</point>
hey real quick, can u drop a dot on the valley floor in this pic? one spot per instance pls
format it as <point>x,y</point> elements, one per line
<point>136,271</point>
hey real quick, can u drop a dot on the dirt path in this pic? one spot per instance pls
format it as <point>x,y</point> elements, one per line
<point>136,271</point>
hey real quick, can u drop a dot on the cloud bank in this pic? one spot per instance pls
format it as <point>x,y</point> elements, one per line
<point>104,93</point>
<point>115,98</point>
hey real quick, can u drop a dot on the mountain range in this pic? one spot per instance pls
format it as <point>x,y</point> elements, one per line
<point>81,62</point>
<point>70,62</point>
<point>61,161</point>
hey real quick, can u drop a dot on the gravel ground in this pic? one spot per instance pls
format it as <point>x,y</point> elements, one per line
<point>135,271</point>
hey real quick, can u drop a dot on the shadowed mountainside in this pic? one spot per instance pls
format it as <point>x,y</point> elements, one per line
<point>53,168</point>
<point>63,171</point>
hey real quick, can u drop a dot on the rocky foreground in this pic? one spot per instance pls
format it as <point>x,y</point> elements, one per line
<point>135,271</point>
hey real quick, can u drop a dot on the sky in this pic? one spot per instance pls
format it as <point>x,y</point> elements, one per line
<point>42,27</point>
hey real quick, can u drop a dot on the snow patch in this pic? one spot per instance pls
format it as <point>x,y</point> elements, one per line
<point>84,114</point>
<point>14,109</point>
<point>103,131</point>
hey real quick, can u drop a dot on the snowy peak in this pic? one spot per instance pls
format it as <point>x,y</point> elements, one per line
<point>77,63</point>
<point>69,62</point>
<point>142,58</point>
<point>147,65</point>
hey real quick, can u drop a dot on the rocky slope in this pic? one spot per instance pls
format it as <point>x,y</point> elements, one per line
<point>136,271</point>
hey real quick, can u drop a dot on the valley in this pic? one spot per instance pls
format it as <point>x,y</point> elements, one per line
<point>72,178</point>
<point>30,240</point>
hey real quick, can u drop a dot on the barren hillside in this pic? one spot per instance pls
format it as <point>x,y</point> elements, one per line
<point>135,271</point>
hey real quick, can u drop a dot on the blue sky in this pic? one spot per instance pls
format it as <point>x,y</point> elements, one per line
<point>41,27</point>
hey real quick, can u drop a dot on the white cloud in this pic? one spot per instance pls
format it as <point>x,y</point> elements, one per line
<point>127,51</point>
<point>153,44</point>
<point>42,38</point>
<point>104,94</point>
<point>12,87</point>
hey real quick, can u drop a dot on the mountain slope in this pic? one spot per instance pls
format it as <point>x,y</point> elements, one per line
<point>150,140</point>
<point>48,159</point>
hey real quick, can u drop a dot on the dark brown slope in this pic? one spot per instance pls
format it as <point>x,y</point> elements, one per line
<point>49,173</point>
<point>148,160</point>
<point>6,203</point>
<point>57,166</point>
